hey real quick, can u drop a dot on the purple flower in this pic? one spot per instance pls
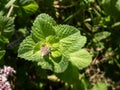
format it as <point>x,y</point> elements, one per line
<point>7,70</point>
<point>4,73</point>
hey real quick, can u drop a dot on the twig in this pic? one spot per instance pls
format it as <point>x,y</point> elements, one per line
<point>10,11</point>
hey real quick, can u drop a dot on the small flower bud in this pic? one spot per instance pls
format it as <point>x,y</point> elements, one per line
<point>45,50</point>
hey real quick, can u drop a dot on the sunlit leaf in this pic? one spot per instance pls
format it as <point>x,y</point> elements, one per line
<point>25,7</point>
<point>70,38</point>
<point>100,86</point>
<point>26,50</point>
<point>101,35</point>
<point>80,59</point>
<point>41,29</point>
<point>53,46</point>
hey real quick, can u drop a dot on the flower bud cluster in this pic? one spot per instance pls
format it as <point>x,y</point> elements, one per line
<point>4,73</point>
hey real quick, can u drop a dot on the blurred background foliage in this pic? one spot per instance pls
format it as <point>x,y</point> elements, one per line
<point>98,20</point>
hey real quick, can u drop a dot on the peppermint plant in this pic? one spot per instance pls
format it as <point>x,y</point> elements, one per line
<point>55,47</point>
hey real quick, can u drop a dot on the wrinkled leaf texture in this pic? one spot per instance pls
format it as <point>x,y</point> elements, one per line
<point>69,42</point>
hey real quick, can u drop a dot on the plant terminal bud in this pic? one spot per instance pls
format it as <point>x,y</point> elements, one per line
<point>45,50</point>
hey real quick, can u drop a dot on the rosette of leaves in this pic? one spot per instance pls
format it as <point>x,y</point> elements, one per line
<point>54,47</point>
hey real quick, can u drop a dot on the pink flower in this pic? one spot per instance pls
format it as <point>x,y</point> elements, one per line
<point>4,73</point>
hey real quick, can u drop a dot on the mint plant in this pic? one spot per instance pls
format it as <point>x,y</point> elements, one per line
<point>53,56</point>
<point>56,47</point>
<point>64,42</point>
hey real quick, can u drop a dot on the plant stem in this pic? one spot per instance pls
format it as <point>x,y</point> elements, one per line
<point>10,11</point>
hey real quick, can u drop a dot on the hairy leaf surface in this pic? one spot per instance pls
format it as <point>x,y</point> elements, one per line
<point>6,26</point>
<point>80,59</point>
<point>54,46</point>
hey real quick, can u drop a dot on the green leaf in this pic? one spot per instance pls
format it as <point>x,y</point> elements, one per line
<point>116,24</point>
<point>46,64</point>
<point>47,18</point>
<point>60,66</point>
<point>25,7</point>
<point>41,29</point>
<point>26,50</point>
<point>70,75</point>
<point>30,8</point>
<point>6,26</point>
<point>3,40</point>
<point>70,38</point>
<point>2,53</point>
<point>52,39</point>
<point>80,59</point>
<point>63,31</point>
<point>101,35</point>
<point>57,67</point>
<point>100,86</point>
<point>10,3</point>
